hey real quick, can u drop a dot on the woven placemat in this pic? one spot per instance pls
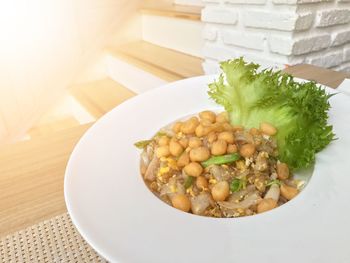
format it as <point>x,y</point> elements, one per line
<point>54,240</point>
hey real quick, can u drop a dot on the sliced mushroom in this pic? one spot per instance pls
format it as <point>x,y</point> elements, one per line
<point>152,169</point>
<point>200,203</point>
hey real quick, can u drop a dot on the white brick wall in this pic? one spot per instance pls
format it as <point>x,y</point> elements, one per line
<point>328,61</point>
<point>210,33</point>
<point>347,55</point>
<point>245,40</point>
<point>286,21</point>
<point>219,15</point>
<point>278,32</point>
<point>341,38</point>
<point>189,2</point>
<point>217,52</point>
<point>333,17</point>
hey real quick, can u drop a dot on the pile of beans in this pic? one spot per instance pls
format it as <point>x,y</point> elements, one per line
<point>174,167</point>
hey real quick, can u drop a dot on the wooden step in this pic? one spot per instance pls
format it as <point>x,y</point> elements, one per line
<point>168,8</point>
<point>54,126</point>
<point>99,97</point>
<point>165,63</point>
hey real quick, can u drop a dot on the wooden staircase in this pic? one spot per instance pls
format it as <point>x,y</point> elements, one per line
<point>154,61</point>
<point>40,161</point>
<point>101,96</point>
<point>96,97</point>
<point>53,126</point>
<point>165,63</point>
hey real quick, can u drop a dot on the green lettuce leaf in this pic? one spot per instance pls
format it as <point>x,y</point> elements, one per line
<point>298,110</point>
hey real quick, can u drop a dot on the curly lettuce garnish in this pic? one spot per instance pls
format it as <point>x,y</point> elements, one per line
<point>298,110</point>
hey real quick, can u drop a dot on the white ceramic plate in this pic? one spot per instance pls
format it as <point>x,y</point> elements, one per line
<point>116,213</point>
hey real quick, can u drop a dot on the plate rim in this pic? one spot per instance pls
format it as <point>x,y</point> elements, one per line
<point>85,136</point>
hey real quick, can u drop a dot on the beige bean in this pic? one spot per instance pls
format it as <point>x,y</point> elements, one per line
<point>257,142</point>
<point>164,140</point>
<point>184,142</point>
<point>208,115</point>
<point>212,137</point>
<point>226,136</point>
<point>205,122</point>
<point>227,127</point>
<point>202,130</point>
<point>177,127</point>
<point>189,126</point>
<point>254,131</point>
<point>194,142</point>
<point>266,205</point>
<point>199,130</point>
<point>201,182</point>
<point>175,148</point>
<point>219,147</point>
<point>183,160</point>
<point>181,202</point>
<point>237,128</point>
<point>268,128</point>
<point>220,191</point>
<point>288,192</point>
<point>199,154</point>
<point>222,117</point>
<point>218,127</point>
<point>247,150</point>
<point>208,129</point>
<point>193,169</point>
<point>162,151</point>
<point>282,171</point>
<point>232,148</point>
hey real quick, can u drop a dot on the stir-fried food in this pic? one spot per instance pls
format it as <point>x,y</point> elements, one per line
<point>238,162</point>
<point>206,166</point>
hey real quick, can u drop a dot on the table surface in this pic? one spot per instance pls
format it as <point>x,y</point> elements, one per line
<point>32,172</point>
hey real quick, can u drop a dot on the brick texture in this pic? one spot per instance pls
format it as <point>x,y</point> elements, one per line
<point>284,2</point>
<point>210,33</point>
<point>270,20</point>
<point>248,2</point>
<point>347,55</point>
<point>219,15</point>
<point>247,40</point>
<point>341,38</point>
<point>333,17</point>
<point>328,60</point>
<point>278,31</point>
<point>304,21</point>
<point>218,52</point>
<point>280,45</point>
<point>293,2</point>
<point>288,46</point>
<point>307,45</point>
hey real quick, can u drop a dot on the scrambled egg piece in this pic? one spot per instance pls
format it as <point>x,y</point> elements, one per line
<point>172,163</point>
<point>173,188</point>
<point>212,181</point>
<point>190,191</point>
<point>241,165</point>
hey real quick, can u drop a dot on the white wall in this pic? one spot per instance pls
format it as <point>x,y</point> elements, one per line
<point>277,32</point>
<point>331,26</point>
<point>179,34</point>
<point>44,44</point>
<point>189,2</point>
